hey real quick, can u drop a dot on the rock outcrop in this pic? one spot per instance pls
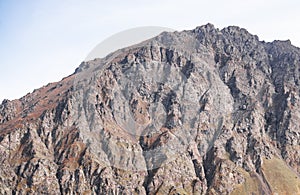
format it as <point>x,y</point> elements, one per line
<point>205,111</point>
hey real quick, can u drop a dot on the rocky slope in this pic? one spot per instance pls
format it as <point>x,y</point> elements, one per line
<point>205,111</point>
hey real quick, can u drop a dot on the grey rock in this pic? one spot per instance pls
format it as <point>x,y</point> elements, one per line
<point>193,112</point>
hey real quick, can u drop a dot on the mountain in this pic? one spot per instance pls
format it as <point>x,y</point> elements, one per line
<point>204,111</point>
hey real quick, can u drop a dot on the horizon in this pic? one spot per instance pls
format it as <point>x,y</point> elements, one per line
<point>42,42</point>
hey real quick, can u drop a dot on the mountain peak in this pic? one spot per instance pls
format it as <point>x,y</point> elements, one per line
<point>208,26</point>
<point>205,111</point>
<point>205,29</point>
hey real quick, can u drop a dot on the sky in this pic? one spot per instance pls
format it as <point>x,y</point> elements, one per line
<point>44,41</point>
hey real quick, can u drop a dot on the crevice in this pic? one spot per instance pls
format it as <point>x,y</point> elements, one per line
<point>198,169</point>
<point>265,183</point>
<point>209,166</point>
<point>58,176</point>
<point>149,178</point>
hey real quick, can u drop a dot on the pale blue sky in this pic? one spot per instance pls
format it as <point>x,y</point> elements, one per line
<point>43,41</point>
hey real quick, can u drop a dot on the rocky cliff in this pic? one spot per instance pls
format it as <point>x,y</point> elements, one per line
<point>205,111</point>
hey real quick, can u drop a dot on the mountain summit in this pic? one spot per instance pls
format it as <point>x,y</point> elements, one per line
<point>204,111</point>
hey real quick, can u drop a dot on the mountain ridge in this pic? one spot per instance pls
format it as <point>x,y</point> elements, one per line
<point>204,111</point>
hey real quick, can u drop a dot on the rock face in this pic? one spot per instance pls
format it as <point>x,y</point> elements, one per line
<point>205,111</point>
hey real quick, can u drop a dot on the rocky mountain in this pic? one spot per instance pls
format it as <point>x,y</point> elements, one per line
<point>204,111</point>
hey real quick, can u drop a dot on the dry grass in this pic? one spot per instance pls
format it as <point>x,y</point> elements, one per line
<point>281,178</point>
<point>38,102</point>
<point>251,185</point>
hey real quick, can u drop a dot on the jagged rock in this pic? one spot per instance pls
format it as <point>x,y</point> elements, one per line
<point>205,111</point>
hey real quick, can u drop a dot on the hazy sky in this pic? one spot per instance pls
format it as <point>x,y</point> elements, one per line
<point>43,41</point>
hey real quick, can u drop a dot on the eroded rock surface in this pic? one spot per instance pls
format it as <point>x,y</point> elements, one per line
<point>205,111</point>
